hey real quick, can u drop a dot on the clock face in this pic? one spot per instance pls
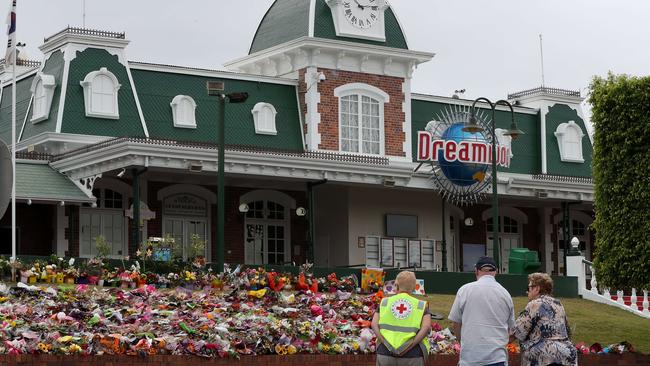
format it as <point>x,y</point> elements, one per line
<point>361,13</point>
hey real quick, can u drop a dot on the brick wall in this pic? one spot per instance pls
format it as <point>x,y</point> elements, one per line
<point>296,360</point>
<point>328,108</point>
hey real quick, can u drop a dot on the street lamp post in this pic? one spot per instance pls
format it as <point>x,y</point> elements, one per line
<point>217,88</point>
<point>473,127</point>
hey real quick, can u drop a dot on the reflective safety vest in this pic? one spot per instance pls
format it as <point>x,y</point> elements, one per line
<point>400,317</point>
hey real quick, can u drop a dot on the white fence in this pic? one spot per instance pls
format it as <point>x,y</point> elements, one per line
<point>579,267</point>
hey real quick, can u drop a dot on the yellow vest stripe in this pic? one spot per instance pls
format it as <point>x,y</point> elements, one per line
<point>397,328</point>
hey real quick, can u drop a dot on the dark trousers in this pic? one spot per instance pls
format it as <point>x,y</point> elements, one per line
<point>497,364</point>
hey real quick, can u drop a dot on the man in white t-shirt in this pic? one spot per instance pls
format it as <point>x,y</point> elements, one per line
<point>483,314</point>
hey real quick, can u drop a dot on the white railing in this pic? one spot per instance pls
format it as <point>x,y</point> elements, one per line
<point>579,267</point>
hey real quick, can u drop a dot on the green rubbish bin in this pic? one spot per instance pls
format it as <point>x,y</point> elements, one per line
<point>523,261</point>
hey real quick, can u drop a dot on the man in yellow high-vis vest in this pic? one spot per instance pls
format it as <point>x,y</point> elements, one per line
<point>402,325</point>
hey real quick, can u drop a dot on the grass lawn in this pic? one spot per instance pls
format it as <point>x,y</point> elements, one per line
<point>590,322</point>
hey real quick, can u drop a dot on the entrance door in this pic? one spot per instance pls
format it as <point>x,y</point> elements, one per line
<point>109,224</point>
<point>265,243</point>
<point>183,230</point>
<point>509,238</point>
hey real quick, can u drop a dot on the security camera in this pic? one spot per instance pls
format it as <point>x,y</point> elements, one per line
<point>321,77</point>
<point>121,173</point>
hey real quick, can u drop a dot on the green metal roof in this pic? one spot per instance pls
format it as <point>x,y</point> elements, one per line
<point>23,95</point>
<point>74,116</point>
<point>53,66</point>
<point>558,114</point>
<point>526,149</point>
<point>39,182</point>
<point>287,20</point>
<point>157,89</point>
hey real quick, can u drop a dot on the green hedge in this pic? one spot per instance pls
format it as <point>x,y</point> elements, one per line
<point>621,119</point>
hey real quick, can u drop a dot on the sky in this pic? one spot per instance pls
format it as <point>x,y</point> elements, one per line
<point>489,48</point>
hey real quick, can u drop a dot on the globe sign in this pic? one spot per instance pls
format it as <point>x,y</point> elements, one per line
<point>460,180</point>
<point>459,173</point>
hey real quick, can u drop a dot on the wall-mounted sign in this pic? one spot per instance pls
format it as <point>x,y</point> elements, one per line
<point>461,161</point>
<point>185,205</point>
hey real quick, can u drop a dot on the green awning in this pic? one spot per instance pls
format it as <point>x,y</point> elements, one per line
<point>37,181</point>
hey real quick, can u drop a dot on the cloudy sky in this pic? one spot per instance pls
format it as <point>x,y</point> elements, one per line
<point>489,48</point>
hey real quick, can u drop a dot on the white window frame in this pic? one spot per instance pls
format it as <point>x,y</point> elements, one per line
<point>87,84</point>
<point>363,90</point>
<point>561,135</point>
<point>179,119</point>
<point>264,119</point>
<point>43,86</point>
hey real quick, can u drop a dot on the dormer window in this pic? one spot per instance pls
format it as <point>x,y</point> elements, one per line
<point>100,94</point>
<point>569,139</point>
<point>183,111</point>
<point>361,118</point>
<point>264,119</point>
<point>43,91</point>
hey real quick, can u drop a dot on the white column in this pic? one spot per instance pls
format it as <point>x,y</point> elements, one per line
<point>633,300</point>
<point>575,268</point>
<point>645,302</point>
<point>61,226</point>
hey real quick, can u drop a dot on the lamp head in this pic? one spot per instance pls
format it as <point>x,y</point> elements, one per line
<point>237,97</point>
<point>472,126</point>
<point>514,132</point>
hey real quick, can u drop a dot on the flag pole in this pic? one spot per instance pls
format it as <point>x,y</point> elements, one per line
<point>13,47</point>
<point>13,158</point>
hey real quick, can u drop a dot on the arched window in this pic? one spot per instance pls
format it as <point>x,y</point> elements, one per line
<point>569,139</point>
<point>183,111</point>
<point>264,119</point>
<point>43,91</point>
<point>361,118</point>
<point>100,94</point>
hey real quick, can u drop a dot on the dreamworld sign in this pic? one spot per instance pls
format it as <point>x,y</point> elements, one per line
<point>460,160</point>
<point>471,152</point>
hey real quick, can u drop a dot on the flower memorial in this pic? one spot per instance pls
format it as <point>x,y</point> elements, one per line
<point>231,314</point>
<point>251,312</point>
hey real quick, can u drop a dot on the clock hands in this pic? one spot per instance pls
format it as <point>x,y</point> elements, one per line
<point>362,7</point>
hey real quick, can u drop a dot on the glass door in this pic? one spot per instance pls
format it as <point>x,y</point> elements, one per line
<point>265,243</point>
<point>182,231</point>
<point>108,224</point>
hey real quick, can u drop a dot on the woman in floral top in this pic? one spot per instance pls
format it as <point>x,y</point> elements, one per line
<point>542,328</point>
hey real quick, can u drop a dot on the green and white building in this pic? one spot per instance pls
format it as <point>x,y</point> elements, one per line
<point>330,115</point>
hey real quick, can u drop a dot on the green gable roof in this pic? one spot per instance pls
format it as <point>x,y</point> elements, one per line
<point>526,149</point>
<point>39,182</point>
<point>157,89</point>
<point>74,116</point>
<point>23,95</point>
<point>558,114</point>
<point>53,66</point>
<point>287,20</point>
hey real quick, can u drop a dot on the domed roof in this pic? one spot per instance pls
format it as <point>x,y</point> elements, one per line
<point>287,20</point>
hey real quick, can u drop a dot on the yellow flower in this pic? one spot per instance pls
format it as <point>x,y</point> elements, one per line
<point>326,348</point>
<point>337,348</point>
<point>292,349</point>
<point>355,346</point>
<point>74,348</point>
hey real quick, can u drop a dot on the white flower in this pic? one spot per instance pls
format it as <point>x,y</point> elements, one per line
<point>71,262</point>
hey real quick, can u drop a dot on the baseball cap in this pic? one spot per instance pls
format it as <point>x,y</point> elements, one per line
<point>486,264</point>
